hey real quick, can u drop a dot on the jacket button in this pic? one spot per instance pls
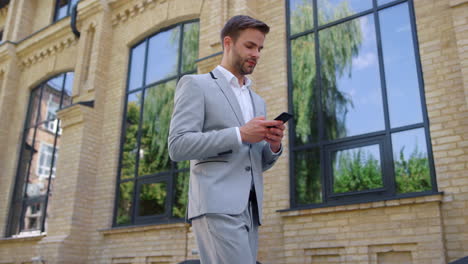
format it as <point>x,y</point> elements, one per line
<point>247,168</point>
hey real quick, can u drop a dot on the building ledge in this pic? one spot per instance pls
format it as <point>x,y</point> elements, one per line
<point>33,237</point>
<point>136,229</point>
<point>362,206</point>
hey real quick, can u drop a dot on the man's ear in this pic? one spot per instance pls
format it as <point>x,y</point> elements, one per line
<point>227,43</point>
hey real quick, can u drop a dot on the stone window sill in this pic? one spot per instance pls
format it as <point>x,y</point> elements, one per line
<point>136,229</point>
<point>438,197</point>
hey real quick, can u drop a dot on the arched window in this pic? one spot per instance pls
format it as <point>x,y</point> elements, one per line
<point>150,187</point>
<point>39,152</point>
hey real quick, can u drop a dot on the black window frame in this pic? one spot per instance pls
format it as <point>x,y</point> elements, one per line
<point>324,145</point>
<point>43,199</point>
<point>168,177</point>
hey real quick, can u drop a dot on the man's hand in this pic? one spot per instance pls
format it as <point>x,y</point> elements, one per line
<point>274,137</point>
<point>256,129</point>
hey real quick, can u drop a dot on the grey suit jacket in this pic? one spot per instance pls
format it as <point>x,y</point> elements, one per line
<point>203,131</point>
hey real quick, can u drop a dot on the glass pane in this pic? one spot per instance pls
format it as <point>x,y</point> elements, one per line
<point>381,2</point>
<point>357,169</point>
<point>163,55</point>
<point>404,100</point>
<point>34,107</point>
<point>307,172</point>
<point>124,209</point>
<point>68,89</point>
<point>301,16</point>
<point>190,46</point>
<point>55,84</point>
<point>52,103</point>
<point>181,194</point>
<point>29,152</point>
<point>33,213</point>
<point>152,199</point>
<point>157,112</point>
<point>331,10</point>
<point>136,66</point>
<point>412,172</point>
<point>351,92</point>
<point>304,91</point>
<point>130,147</point>
<point>62,9</point>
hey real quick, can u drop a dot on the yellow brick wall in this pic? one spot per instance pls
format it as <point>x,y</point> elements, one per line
<point>430,229</point>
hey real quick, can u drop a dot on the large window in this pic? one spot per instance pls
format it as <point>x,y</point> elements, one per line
<point>360,131</point>
<point>151,188</point>
<point>39,153</point>
<point>63,8</point>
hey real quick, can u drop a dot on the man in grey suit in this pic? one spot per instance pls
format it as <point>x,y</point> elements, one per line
<point>219,125</point>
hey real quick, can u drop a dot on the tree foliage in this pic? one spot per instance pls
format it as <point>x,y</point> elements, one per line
<point>412,175</point>
<point>356,171</point>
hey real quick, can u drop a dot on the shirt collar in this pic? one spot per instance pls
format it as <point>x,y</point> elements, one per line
<point>231,78</point>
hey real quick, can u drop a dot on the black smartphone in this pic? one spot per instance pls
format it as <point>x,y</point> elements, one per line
<point>283,117</point>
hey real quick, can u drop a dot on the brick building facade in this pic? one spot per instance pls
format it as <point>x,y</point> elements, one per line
<point>95,212</point>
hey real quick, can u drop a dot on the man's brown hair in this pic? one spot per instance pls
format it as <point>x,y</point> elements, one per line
<point>236,24</point>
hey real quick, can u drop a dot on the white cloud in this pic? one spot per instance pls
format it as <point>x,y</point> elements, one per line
<point>365,60</point>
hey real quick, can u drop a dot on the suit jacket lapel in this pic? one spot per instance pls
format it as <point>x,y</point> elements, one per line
<point>229,94</point>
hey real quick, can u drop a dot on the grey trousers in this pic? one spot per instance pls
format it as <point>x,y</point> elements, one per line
<point>227,239</point>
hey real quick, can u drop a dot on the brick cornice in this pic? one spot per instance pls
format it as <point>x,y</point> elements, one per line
<point>43,44</point>
<point>132,10</point>
<point>73,115</point>
<point>455,3</point>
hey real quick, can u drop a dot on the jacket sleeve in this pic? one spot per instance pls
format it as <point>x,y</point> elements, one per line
<point>187,140</point>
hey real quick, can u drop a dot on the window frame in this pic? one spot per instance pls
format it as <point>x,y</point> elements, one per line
<point>168,177</point>
<point>323,144</point>
<point>36,125</point>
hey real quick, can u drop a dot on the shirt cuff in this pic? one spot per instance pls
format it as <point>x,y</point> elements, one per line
<point>276,153</point>
<point>239,139</point>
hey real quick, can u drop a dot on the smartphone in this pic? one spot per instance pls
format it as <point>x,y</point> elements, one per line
<point>283,117</point>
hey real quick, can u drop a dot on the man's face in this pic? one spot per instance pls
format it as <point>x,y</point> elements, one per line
<point>244,53</point>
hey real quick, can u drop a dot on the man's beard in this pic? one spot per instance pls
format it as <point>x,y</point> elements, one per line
<point>240,63</point>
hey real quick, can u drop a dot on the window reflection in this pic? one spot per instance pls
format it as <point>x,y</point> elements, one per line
<point>152,199</point>
<point>39,154</point>
<point>347,106</point>
<point>351,92</point>
<point>411,162</point>
<point>404,100</point>
<point>181,194</point>
<point>301,16</point>
<point>125,203</point>
<point>157,112</point>
<point>357,169</point>
<point>130,147</point>
<point>307,172</point>
<point>304,91</point>
<point>145,140</point>
<point>137,65</point>
<point>163,54</point>
<point>190,47</point>
<point>331,10</point>
<point>381,2</point>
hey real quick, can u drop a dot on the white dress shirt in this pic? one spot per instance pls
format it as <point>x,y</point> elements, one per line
<point>243,98</point>
<point>242,95</point>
